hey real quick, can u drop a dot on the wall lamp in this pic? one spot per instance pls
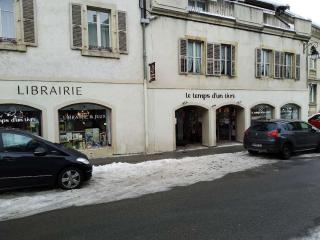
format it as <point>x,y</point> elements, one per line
<point>314,54</point>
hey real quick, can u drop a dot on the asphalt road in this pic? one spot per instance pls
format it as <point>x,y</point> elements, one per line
<point>278,201</point>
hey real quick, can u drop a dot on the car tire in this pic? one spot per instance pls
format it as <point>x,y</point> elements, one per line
<point>286,151</point>
<point>70,178</point>
<point>252,152</point>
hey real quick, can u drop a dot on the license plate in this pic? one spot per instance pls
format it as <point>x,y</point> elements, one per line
<point>256,145</point>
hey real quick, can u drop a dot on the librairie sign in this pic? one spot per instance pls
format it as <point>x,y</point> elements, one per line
<point>49,90</point>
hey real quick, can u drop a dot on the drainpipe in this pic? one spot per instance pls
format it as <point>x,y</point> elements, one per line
<point>142,4</point>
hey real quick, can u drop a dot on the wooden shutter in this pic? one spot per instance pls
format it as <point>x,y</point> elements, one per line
<point>210,59</point>
<point>76,16</point>
<point>28,19</point>
<point>122,32</point>
<point>277,64</point>
<point>298,67</point>
<point>282,65</point>
<point>183,56</point>
<point>217,59</point>
<point>258,62</point>
<point>233,61</point>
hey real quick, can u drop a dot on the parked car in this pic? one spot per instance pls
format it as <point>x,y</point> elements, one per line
<point>281,136</point>
<point>27,161</point>
<point>315,120</point>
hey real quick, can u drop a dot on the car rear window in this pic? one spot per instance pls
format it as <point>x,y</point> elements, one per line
<point>264,127</point>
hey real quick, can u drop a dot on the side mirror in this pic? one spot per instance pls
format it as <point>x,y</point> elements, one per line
<point>40,151</point>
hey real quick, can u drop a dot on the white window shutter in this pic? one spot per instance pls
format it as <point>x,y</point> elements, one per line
<point>122,32</point>
<point>183,56</point>
<point>76,26</point>
<point>217,59</point>
<point>277,64</point>
<point>28,19</point>
<point>298,67</point>
<point>210,59</point>
<point>258,62</point>
<point>233,61</point>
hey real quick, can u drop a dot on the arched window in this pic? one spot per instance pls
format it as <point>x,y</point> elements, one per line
<point>290,112</point>
<point>85,126</point>
<point>20,117</point>
<point>261,112</point>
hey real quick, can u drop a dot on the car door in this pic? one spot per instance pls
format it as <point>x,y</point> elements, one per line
<point>22,166</point>
<point>309,135</point>
<point>296,135</point>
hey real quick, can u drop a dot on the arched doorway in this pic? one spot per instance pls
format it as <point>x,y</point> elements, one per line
<point>262,112</point>
<point>85,126</point>
<point>21,117</point>
<point>192,126</point>
<point>290,112</point>
<point>230,123</point>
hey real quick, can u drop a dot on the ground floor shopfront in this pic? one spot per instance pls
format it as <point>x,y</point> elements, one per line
<point>98,119</point>
<point>209,118</point>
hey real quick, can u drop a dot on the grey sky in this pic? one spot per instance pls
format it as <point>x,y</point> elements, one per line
<point>305,8</point>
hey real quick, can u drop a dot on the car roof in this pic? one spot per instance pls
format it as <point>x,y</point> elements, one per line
<point>277,121</point>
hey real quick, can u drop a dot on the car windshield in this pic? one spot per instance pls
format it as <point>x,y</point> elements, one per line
<point>264,127</point>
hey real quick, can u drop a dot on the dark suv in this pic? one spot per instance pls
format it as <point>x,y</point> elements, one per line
<point>281,136</point>
<point>27,160</point>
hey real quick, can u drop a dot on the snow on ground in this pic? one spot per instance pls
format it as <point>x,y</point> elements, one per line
<point>123,180</point>
<point>312,235</point>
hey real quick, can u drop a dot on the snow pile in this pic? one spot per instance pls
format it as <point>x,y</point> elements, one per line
<point>123,180</point>
<point>313,235</point>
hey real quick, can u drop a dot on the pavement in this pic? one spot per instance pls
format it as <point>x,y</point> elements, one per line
<point>137,158</point>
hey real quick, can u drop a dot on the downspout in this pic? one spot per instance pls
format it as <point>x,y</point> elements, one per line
<point>142,4</point>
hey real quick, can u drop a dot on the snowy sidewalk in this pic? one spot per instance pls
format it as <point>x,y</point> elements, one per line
<point>123,180</point>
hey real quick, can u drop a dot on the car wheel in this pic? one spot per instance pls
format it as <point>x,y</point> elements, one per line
<point>286,151</point>
<point>70,178</point>
<point>251,152</point>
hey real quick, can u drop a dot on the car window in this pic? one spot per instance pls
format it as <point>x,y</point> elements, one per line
<point>294,126</point>
<point>264,127</point>
<point>13,142</point>
<point>305,126</point>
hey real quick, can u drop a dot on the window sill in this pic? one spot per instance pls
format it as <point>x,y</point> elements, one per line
<point>100,53</point>
<point>9,46</point>
<point>312,104</point>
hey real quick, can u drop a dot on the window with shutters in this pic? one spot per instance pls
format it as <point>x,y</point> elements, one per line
<point>312,64</point>
<point>194,57</point>
<point>226,60</point>
<point>266,63</point>
<point>99,30</point>
<point>288,65</point>
<point>312,93</point>
<point>17,25</point>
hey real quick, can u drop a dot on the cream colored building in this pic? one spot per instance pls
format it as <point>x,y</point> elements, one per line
<point>221,65</point>
<point>314,72</point>
<point>71,71</point>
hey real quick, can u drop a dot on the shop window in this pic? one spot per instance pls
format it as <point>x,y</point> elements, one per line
<point>290,112</point>
<point>85,126</point>
<point>261,112</point>
<point>20,117</point>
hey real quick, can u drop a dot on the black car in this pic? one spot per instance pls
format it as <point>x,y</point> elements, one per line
<point>27,161</point>
<point>281,136</point>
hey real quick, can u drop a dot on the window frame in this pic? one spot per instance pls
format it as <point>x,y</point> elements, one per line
<point>312,64</point>
<point>288,74</point>
<point>264,64</point>
<point>224,62</point>
<point>313,94</point>
<point>5,38</point>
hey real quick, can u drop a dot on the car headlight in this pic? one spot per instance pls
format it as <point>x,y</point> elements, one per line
<point>83,160</point>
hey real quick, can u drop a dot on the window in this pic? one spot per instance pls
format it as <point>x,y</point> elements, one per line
<point>20,117</point>
<point>7,25</point>
<point>313,64</point>
<point>290,112</point>
<point>266,63</point>
<point>17,143</point>
<point>194,57</point>
<point>84,126</point>
<point>197,5</point>
<point>226,60</point>
<point>312,93</point>
<point>261,112</point>
<point>99,29</point>
<point>105,30</point>
<point>288,65</point>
